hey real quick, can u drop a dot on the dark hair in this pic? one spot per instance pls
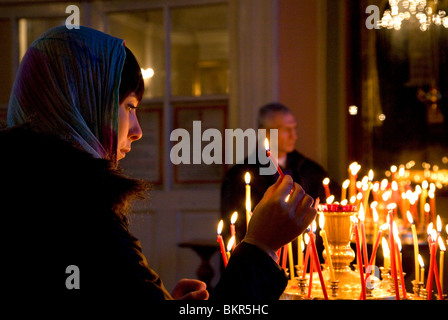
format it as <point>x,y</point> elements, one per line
<point>267,110</point>
<point>131,78</point>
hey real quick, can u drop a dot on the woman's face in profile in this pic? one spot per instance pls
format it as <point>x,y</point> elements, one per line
<point>128,127</point>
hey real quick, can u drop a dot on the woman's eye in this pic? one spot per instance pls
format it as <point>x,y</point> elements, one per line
<point>131,106</point>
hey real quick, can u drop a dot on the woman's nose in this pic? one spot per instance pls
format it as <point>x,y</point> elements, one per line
<point>135,131</point>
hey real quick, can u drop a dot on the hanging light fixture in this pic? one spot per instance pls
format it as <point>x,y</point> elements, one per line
<point>425,12</point>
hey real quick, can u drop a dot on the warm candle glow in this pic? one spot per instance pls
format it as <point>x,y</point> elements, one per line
<point>439,224</point>
<point>220,225</point>
<point>287,197</point>
<point>429,228</point>
<point>354,168</point>
<point>247,177</point>
<point>266,144</point>
<point>420,262</point>
<point>370,175</point>
<point>375,215</point>
<point>345,184</point>
<point>361,213</point>
<point>441,244</point>
<point>427,207</point>
<point>230,243</point>
<point>234,217</point>
<point>385,246</point>
<point>330,199</point>
<point>321,221</point>
<point>411,221</point>
<point>326,181</point>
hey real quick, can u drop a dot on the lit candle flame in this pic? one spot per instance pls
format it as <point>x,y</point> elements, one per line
<point>326,181</point>
<point>266,144</point>
<point>361,213</point>
<point>230,243</point>
<point>321,221</point>
<point>220,225</point>
<point>384,226</point>
<point>441,244</point>
<point>427,207</point>
<point>370,175</point>
<point>439,224</point>
<point>354,168</point>
<point>375,215</point>
<point>433,235</point>
<point>247,177</point>
<point>234,217</point>
<point>429,228</point>
<point>330,199</point>
<point>307,238</point>
<point>411,221</point>
<point>425,184</point>
<point>420,261</point>
<point>345,184</point>
<point>287,197</point>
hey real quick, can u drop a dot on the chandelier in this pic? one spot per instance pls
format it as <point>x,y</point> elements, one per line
<point>425,12</point>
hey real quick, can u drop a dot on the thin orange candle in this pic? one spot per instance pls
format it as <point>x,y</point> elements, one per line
<point>400,265</point>
<point>316,264</point>
<point>415,241</point>
<point>326,182</point>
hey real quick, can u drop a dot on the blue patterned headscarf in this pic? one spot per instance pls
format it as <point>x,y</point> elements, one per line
<point>68,85</point>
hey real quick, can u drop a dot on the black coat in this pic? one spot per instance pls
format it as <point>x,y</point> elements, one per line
<point>59,207</point>
<point>303,170</point>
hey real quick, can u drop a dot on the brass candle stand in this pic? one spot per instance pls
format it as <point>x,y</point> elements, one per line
<point>347,284</point>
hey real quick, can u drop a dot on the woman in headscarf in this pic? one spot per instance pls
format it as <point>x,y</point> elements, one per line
<point>71,117</point>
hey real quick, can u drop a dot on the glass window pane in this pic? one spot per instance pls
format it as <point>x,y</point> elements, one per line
<point>199,50</point>
<point>145,37</point>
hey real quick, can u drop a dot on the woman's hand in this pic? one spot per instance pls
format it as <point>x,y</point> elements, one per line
<point>190,289</point>
<point>276,222</point>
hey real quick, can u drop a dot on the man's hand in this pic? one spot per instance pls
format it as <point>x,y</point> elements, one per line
<point>190,289</point>
<point>276,222</point>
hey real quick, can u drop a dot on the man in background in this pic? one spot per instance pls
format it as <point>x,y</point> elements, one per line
<point>304,171</point>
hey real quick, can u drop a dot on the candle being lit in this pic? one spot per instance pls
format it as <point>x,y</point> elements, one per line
<point>268,152</point>
<point>248,201</point>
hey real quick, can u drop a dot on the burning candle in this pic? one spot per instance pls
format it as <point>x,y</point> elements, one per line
<point>248,201</point>
<point>432,202</point>
<point>353,171</point>
<point>441,258</point>
<point>326,182</point>
<point>422,269</point>
<point>268,153</point>
<point>316,264</point>
<point>433,248</point>
<point>386,253</point>
<point>423,196</point>
<point>363,236</point>
<point>359,261</point>
<point>291,261</point>
<point>393,266</point>
<point>323,234</point>
<point>415,240</point>
<point>221,243</point>
<point>230,246</point>
<point>307,255</point>
<point>400,265</point>
<point>232,227</point>
<point>345,185</point>
<point>300,251</point>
